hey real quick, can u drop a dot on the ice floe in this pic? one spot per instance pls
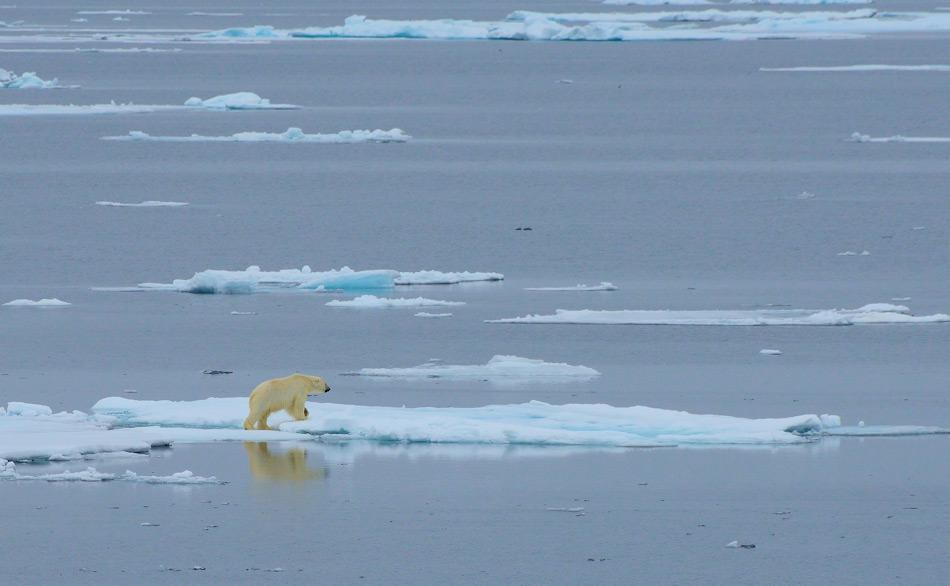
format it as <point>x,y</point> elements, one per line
<point>291,135</point>
<point>237,101</point>
<point>499,366</point>
<point>874,313</point>
<point>215,14</point>
<point>27,80</point>
<point>427,314</point>
<point>253,279</point>
<point>534,422</point>
<point>8,472</point>
<point>853,253</point>
<point>72,109</point>
<point>38,303</point>
<point>112,12</point>
<point>374,302</point>
<point>151,203</point>
<point>727,2</point>
<point>858,137</point>
<point>859,68</point>
<point>770,352</point>
<point>604,286</point>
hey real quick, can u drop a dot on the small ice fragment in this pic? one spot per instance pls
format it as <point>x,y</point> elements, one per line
<point>372,301</point>
<point>770,352</point>
<point>565,81</point>
<point>243,313</point>
<point>565,509</point>
<point>861,423</point>
<point>54,302</point>
<point>148,524</point>
<point>848,253</point>
<point>865,253</point>
<point>733,544</point>
<point>900,298</point>
<point>805,195</point>
<point>919,228</point>
<point>427,314</point>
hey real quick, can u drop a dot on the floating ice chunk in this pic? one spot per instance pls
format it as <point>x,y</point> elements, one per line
<point>243,313</point>
<point>733,544</point>
<point>28,80</point>
<point>27,409</point>
<point>853,253</point>
<point>104,12</point>
<point>876,313</point>
<point>604,286</point>
<point>183,477</point>
<point>498,367</point>
<point>120,19</point>
<point>90,474</point>
<point>858,137</point>
<point>71,109</point>
<point>805,195</point>
<point>427,314</point>
<point>900,298</point>
<point>39,303</point>
<point>441,278</point>
<point>770,352</point>
<point>859,68</point>
<point>237,101</point>
<point>565,509</point>
<point>291,135</point>
<point>528,423</point>
<point>144,204</point>
<point>372,301</point>
<point>862,430</point>
<point>215,14</point>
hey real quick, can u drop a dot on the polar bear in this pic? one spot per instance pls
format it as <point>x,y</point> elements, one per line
<point>288,393</point>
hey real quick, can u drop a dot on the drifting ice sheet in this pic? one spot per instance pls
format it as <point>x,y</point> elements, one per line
<point>253,279</point>
<point>858,137</point>
<point>604,286</point>
<point>292,135</point>
<point>528,423</point>
<point>875,313</point>
<point>237,101</point>
<point>28,80</point>
<point>498,367</point>
<point>39,303</point>
<point>144,204</point>
<point>373,302</point>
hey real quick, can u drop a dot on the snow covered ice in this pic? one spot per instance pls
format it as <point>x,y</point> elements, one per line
<point>253,280</point>
<point>27,80</point>
<point>237,101</point>
<point>374,302</point>
<point>874,313</point>
<point>499,366</point>
<point>37,303</point>
<point>187,477</point>
<point>291,135</point>
<point>604,286</point>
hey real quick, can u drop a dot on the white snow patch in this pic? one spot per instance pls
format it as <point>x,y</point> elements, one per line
<point>859,68</point>
<point>27,80</point>
<point>253,279</point>
<point>427,314</point>
<point>875,313</point>
<point>291,135</point>
<point>499,366</point>
<point>604,286</point>
<point>39,303</point>
<point>144,204</point>
<point>770,352</point>
<point>858,137</point>
<point>372,301</point>
<point>237,101</point>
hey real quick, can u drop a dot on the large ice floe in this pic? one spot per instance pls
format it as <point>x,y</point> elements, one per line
<point>856,68</point>
<point>527,423</point>
<point>374,302</point>
<point>858,137</point>
<point>607,26</point>
<point>237,101</point>
<point>26,80</point>
<point>291,135</point>
<point>254,280</point>
<point>604,286</point>
<point>499,367</point>
<point>874,313</point>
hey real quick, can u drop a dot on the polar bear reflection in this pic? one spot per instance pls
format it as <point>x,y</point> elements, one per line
<point>280,466</point>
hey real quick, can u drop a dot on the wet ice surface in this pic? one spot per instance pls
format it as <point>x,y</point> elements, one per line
<point>670,169</point>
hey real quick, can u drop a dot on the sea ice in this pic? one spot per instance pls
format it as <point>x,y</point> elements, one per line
<point>858,137</point>
<point>853,253</point>
<point>90,474</point>
<point>71,109</point>
<point>291,135</point>
<point>859,68</point>
<point>39,303</point>
<point>372,301</point>
<point>770,352</point>
<point>253,279</point>
<point>237,101</point>
<point>875,313</point>
<point>28,80</point>
<point>604,286</point>
<point>103,12</point>
<point>427,314</point>
<point>144,204</point>
<point>498,367</point>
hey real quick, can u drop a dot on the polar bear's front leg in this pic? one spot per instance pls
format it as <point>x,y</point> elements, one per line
<point>297,409</point>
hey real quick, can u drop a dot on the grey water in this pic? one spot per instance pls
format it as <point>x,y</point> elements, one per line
<point>669,169</point>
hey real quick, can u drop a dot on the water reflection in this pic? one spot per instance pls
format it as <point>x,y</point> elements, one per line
<point>279,465</point>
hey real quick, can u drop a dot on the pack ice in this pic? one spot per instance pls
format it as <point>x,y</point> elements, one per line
<point>253,279</point>
<point>28,80</point>
<point>291,135</point>
<point>500,366</point>
<point>874,313</point>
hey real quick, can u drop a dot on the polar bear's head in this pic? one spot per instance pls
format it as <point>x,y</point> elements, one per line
<point>317,385</point>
